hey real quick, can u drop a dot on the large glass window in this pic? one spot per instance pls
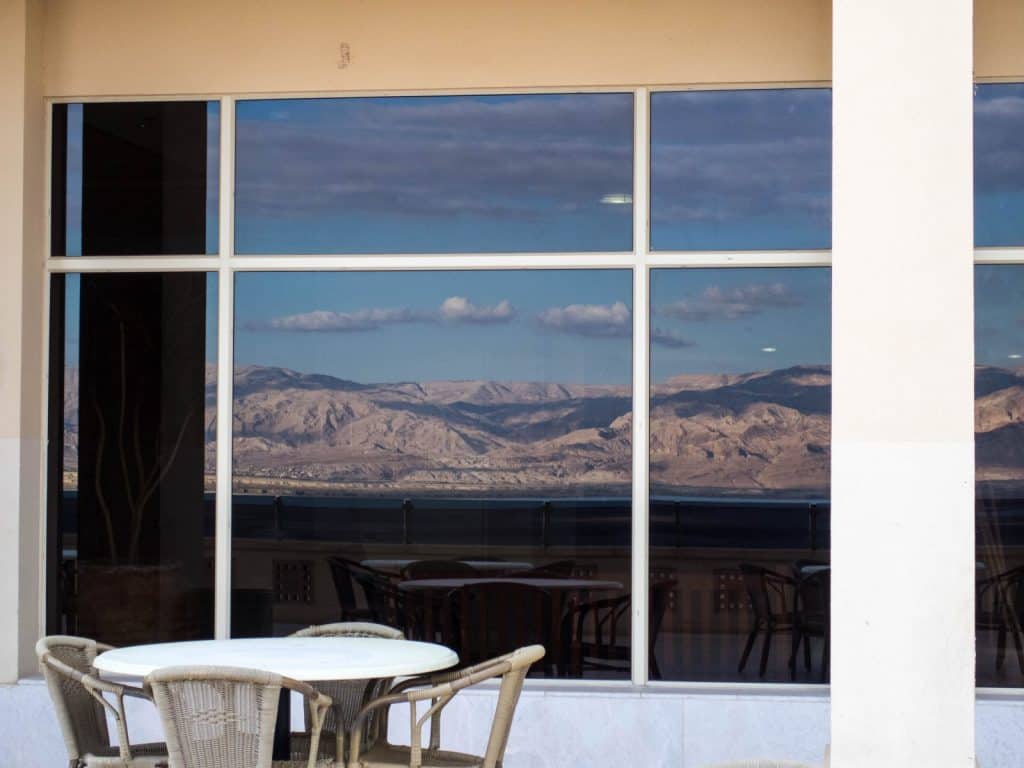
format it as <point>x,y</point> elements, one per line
<point>435,174</point>
<point>132,393</point>
<point>999,164</point>
<point>135,178</point>
<point>999,458</point>
<point>741,170</point>
<point>446,452</point>
<point>739,474</point>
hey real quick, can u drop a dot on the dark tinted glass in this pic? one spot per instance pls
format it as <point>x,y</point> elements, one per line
<point>435,174</point>
<point>401,437</point>
<point>131,457</point>
<point>999,164</point>
<point>739,474</point>
<point>999,472</point>
<point>135,178</point>
<point>741,170</point>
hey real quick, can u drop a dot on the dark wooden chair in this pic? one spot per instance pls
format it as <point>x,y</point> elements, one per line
<point>770,607</point>
<point>383,603</point>
<point>496,617</point>
<point>813,606</point>
<point>600,631</point>
<point>999,607</point>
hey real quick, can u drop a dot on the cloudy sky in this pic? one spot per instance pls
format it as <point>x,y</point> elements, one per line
<point>562,325</point>
<point>434,174</point>
<point>737,170</point>
<point>999,164</point>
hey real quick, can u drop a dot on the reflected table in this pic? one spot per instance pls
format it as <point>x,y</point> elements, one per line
<point>480,565</point>
<point>433,596</point>
<point>300,658</point>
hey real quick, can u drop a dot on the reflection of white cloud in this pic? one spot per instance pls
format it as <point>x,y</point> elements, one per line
<point>459,309</point>
<point>594,320</point>
<point>619,198</point>
<point>342,322</point>
<point>670,339</point>
<point>1003,106</point>
<point>455,309</point>
<point>732,304</point>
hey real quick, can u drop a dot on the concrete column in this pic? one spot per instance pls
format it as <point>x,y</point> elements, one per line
<point>903,426</point>
<point>22,217</point>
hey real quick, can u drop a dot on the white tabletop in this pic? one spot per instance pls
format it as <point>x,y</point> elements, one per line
<point>573,584</point>
<point>480,565</point>
<point>300,658</point>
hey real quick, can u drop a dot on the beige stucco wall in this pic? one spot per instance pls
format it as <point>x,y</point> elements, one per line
<point>96,47</point>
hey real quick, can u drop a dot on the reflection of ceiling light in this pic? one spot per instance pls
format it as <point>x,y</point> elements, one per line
<point>1014,357</point>
<point>768,349</point>
<point>617,199</point>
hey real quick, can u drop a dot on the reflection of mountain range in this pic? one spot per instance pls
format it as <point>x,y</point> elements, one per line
<point>999,424</point>
<point>758,432</point>
<point>765,432</point>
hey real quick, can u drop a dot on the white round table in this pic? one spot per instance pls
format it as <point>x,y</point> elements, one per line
<point>300,658</point>
<point>558,584</point>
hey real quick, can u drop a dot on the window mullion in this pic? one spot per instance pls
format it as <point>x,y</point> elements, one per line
<point>641,375</point>
<point>225,377</point>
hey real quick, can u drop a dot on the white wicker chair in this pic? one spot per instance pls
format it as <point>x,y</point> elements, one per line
<point>224,717</point>
<point>439,690</point>
<point>348,695</point>
<point>81,700</point>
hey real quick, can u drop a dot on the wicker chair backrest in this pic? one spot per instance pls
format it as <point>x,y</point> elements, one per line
<point>216,717</point>
<point>82,719</point>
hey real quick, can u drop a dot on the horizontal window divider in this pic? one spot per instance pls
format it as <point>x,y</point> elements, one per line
<point>815,258</point>
<point>1004,255</point>
<point>133,263</point>
<point>386,262</point>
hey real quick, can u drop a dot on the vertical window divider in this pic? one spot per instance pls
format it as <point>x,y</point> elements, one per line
<point>225,372</point>
<point>641,388</point>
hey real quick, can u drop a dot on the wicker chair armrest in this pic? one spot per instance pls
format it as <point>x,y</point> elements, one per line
<point>318,704</point>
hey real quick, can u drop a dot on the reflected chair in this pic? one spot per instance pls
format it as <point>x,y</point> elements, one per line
<point>600,631</point>
<point>348,695</point>
<point>494,617</point>
<point>82,701</point>
<point>224,717</point>
<point>439,569</point>
<point>384,603</point>
<point>439,690</point>
<point>770,609</point>
<point>813,602</point>
<point>999,606</point>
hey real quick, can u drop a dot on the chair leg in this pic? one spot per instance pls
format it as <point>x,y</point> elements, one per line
<point>1017,646</point>
<point>748,647</point>
<point>766,646</point>
<point>1000,647</point>
<point>794,650</point>
<point>824,659</point>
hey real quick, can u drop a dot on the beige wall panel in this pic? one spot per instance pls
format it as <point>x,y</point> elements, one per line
<point>998,36</point>
<point>126,47</point>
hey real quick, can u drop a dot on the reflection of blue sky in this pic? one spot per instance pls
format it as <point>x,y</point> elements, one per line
<point>735,170</point>
<point>999,315</point>
<point>72,312</point>
<point>999,164</point>
<point>73,190</point>
<point>557,325</point>
<point>731,316</point>
<point>434,174</point>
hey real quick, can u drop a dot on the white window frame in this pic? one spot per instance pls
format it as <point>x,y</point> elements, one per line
<point>639,261</point>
